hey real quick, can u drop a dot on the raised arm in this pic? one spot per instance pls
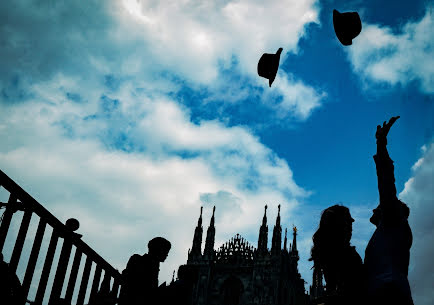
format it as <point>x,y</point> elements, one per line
<point>385,169</point>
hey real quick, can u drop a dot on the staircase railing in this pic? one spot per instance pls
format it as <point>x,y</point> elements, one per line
<point>20,200</point>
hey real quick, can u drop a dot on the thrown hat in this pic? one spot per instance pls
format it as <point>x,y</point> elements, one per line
<point>347,26</point>
<point>268,65</point>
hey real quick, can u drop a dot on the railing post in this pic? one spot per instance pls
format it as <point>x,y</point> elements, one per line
<point>59,278</point>
<point>73,275</point>
<point>19,243</point>
<point>84,281</point>
<point>115,288</point>
<point>29,205</point>
<point>33,258</point>
<point>47,268</point>
<point>95,282</point>
<point>7,216</point>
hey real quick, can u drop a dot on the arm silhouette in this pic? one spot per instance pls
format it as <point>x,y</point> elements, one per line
<point>385,171</point>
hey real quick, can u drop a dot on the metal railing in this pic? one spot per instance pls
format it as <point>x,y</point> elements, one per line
<point>20,200</point>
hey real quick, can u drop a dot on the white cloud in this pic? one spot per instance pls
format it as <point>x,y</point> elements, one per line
<point>418,194</point>
<point>139,169</point>
<point>194,36</point>
<point>213,33</point>
<point>127,198</point>
<point>150,42</point>
<point>297,99</point>
<point>380,55</point>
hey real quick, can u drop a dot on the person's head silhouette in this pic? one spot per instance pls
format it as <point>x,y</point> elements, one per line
<point>377,214</point>
<point>338,223</point>
<point>159,248</point>
<point>334,233</point>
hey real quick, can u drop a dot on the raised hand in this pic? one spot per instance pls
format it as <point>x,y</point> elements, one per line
<point>382,132</point>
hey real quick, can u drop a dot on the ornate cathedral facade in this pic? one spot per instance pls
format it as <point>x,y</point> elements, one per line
<point>240,274</point>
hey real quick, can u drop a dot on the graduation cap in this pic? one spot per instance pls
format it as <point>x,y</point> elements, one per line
<point>347,26</point>
<point>268,65</point>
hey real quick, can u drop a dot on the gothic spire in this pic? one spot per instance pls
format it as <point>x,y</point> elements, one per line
<point>263,234</point>
<point>285,240</point>
<point>264,219</point>
<point>196,251</point>
<point>276,243</point>
<point>294,250</point>
<point>210,238</point>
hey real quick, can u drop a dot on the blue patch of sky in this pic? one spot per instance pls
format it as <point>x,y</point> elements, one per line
<point>108,105</point>
<point>12,90</point>
<point>75,97</point>
<point>66,127</point>
<point>393,13</point>
<point>122,142</point>
<point>112,82</point>
<point>205,104</point>
<point>90,117</point>
<point>187,154</point>
<point>331,152</point>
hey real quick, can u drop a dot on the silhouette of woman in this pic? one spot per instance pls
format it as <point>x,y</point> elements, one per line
<point>388,252</point>
<point>332,253</point>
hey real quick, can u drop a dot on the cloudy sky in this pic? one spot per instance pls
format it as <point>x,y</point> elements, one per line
<point>130,115</point>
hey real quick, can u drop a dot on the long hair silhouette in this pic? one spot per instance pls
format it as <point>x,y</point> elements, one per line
<point>333,234</point>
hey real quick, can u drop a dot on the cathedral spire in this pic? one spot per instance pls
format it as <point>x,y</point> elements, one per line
<point>285,240</point>
<point>196,251</point>
<point>294,250</point>
<point>263,234</point>
<point>210,238</point>
<point>276,242</point>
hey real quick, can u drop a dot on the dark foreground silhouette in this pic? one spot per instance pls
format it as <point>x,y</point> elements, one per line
<point>140,278</point>
<point>383,277</point>
<point>237,273</point>
<point>388,252</point>
<point>339,261</point>
<point>10,286</point>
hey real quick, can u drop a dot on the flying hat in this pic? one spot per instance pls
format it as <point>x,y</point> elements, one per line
<point>268,65</point>
<point>347,26</point>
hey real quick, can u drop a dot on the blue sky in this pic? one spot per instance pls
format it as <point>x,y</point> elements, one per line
<point>135,113</point>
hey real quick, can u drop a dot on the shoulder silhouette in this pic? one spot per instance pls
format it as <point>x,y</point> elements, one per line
<point>140,277</point>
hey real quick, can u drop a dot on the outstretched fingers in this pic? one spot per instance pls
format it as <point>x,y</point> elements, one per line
<point>382,131</point>
<point>393,120</point>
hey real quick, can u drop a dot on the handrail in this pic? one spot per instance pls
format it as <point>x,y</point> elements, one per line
<point>30,205</point>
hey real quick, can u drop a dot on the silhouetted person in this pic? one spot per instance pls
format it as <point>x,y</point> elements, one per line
<point>181,291</point>
<point>341,264</point>
<point>388,252</point>
<point>140,278</point>
<point>10,286</point>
